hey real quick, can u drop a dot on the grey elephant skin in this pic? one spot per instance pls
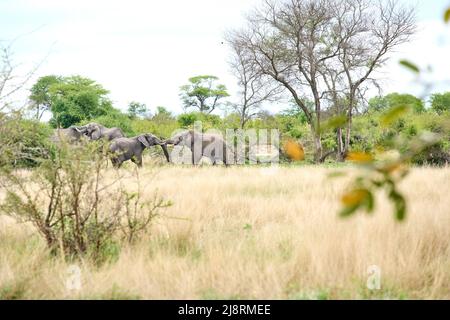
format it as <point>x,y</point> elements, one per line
<point>96,131</point>
<point>123,149</point>
<point>71,134</point>
<point>201,145</point>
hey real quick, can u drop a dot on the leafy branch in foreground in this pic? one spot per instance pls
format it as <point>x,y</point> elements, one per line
<point>386,174</point>
<point>386,171</point>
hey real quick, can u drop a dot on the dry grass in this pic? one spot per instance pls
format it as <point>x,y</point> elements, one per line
<point>253,233</point>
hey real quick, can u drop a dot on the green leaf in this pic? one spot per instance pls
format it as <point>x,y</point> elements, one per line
<point>370,202</point>
<point>399,204</point>
<point>394,114</point>
<point>400,210</point>
<point>409,65</point>
<point>336,174</point>
<point>447,15</point>
<point>333,123</point>
<point>348,211</point>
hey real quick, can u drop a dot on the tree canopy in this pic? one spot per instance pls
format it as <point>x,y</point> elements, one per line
<point>71,99</point>
<point>137,109</point>
<point>40,94</point>
<point>440,102</point>
<point>393,100</point>
<point>203,93</point>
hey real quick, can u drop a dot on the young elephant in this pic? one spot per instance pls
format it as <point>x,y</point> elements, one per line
<point>124,149</point>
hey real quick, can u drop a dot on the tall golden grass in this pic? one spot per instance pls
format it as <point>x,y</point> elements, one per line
<point>254,233</point>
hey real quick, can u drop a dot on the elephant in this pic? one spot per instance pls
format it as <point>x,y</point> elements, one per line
<point>71,134</point>
<point>211,146</point>
<point>123,149</point>
<point>96,131</point>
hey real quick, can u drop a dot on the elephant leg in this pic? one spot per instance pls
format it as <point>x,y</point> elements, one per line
<point>137,160</point>
<point>115,162</point>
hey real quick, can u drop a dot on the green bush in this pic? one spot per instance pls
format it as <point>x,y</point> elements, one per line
<point>115,119</point>
<point>440,103</point>
<point>23,142</point>
<point>79,211</point>
<point>162,128</point>
<point>187,120</point>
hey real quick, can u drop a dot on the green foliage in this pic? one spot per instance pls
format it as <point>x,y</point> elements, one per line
<point>162,114</point>
<point>137,110</point>
<point>115,119</point>
<point>23,142</point>
<point>378,103</point>
<point>71,99</point>
<point>393,114</point>
<point>162,124</point>
<point>203,93</point>
<point>187,120</point>
<point>447,15</point>
<point>396,100</point>
<point>78,211</point>
<point>409,65</point>
<point>40,94</point>
<point>440,103</point>
<point>13,291</point>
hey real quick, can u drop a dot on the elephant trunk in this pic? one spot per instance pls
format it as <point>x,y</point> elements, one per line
<point>168,141</point>
<point>163,144</point>
<point>166,152</point>
<point>80,129</point>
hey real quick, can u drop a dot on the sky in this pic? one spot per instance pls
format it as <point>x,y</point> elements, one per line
<point>145,50</point>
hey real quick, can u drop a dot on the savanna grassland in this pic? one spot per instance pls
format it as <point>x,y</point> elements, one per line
<point>253,232</point>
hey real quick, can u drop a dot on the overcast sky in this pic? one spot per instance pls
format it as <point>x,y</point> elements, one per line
<point>145,50</point>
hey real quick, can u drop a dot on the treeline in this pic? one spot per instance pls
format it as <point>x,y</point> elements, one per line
<point>77,100</point>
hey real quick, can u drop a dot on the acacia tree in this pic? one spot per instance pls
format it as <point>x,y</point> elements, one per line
<point>203,93</point>
<point>296,43</point>
<point>40,97</point>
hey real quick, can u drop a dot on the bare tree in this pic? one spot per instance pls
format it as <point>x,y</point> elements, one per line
<point>255,87</point>
<point>369,33</point>
<point>296,43</point>
<point>10,80</point>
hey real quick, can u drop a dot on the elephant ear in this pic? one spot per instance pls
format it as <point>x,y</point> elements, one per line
<point>142,139</point>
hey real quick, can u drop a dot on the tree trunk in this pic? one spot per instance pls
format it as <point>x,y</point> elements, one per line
<point>348,132</point>
<point>242,122</point>
<point>317,146</point>
<point>348,129</point>
<point>340,154</point>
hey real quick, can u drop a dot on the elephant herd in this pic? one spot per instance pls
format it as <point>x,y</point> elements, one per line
<point>122,148</point>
